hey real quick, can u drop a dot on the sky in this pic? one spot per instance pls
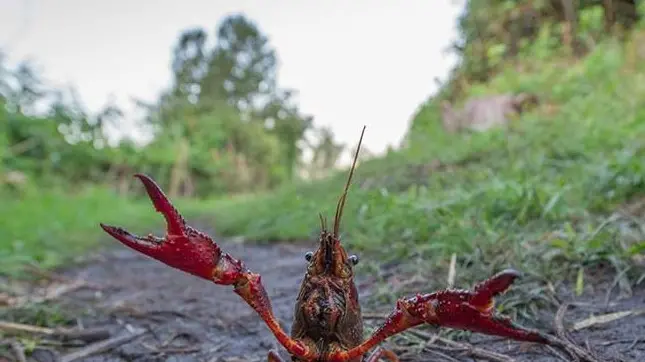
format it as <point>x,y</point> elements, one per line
<point>353,63</point>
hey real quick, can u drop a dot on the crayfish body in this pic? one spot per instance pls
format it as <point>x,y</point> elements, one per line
<point>328,324</point>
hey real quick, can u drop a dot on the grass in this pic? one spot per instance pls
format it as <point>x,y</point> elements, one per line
<point>48,228</point>
<point>541,197</point>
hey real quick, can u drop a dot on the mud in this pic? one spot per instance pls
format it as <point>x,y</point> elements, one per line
<point>187,319</point>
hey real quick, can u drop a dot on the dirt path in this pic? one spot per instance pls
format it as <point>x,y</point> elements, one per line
<point>210,323</point>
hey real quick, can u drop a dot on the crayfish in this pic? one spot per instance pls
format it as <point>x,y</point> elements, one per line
<point>327,325</point>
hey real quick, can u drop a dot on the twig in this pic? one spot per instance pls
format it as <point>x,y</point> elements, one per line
<point>443,355</point>
<point>85,335</point>
<point>102,346</point>
<point>171,350</point>
<point>19,327</point>
<point>557,353</point>
<point>57,292</point>
<point>563,342</point>
<point>464,347</point>
<point>559,321</point>
<point>620,341</point>
<point>60,278</point>
<point>633,344</point>
<point>452,271</point>
<point>18,351</point>
<point>605,318</point>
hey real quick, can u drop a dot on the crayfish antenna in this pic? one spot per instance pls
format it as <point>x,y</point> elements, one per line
<point>323,222</point>
<point>341,202</point>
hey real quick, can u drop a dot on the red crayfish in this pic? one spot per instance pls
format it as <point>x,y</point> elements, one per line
<point>327,325</point>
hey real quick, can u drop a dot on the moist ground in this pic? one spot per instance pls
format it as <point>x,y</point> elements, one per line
<point>188,319</point>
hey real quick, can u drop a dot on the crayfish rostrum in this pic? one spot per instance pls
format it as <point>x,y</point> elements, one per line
<point>327,325</point>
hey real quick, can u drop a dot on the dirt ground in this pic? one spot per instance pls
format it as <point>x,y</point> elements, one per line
<point>186,319</point>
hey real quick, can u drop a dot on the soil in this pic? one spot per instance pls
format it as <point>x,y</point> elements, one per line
<point>187,319</point>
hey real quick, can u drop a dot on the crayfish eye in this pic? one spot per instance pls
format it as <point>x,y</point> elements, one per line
<point>354,259</point>
<point>309,255</point>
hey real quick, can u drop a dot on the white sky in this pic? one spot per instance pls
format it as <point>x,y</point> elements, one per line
<point>353,62</point>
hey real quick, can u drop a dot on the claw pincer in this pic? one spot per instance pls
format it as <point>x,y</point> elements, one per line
<point>183,247</point>
<point>474,310</point>
<point>194,252</point>
<point>460,309</point>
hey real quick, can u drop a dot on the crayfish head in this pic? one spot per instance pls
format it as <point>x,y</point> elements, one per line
<point>327,308</point>
<point>331,259</point>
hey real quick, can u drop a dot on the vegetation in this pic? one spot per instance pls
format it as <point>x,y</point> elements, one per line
<point>555,196</point>
<point>544,196</point>
<point>537,194</point>
<point>223,126</point>
<point>44,228</point>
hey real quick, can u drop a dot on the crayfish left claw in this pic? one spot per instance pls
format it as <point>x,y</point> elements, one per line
<point>459,309</point>
<point>484,292</point>
<point>474,310</point>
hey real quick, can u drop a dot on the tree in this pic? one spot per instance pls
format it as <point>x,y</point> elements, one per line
<point>326,153</point>
<point>189,65</point>
<point>283,119</point>
<point>243,65</point>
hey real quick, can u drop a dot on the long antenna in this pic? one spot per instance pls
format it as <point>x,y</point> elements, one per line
<point>323,223</point>
<point>343,197</point>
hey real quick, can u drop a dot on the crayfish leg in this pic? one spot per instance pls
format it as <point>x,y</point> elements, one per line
<point>380,353</point>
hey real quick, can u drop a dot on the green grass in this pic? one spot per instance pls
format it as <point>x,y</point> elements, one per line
<point>540,198</point>
<point>46,228</point>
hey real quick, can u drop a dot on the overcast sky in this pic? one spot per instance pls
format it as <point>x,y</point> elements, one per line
<point>353,62</point>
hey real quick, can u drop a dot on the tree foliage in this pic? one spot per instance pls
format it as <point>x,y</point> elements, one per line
<point>223,124</point>
<point>494,34</point>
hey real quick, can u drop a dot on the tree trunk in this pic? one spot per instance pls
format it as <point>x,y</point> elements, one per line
<point>180,171</point>
<point>610,14</point>
<point>569,33</point>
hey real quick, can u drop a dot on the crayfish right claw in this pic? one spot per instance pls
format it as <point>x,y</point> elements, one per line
<point>182,248</point>
<point>146,245</point>
<point>194,252</point>
<point>175,222</point>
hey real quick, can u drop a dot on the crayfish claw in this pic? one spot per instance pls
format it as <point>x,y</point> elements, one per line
<point>502,326</point>
<point>485,291</point>
<point>174,220</point>
<point>145,245</point>
<point>182,247</point>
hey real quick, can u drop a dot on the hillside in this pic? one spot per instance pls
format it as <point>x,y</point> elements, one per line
<point>549,196</point>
